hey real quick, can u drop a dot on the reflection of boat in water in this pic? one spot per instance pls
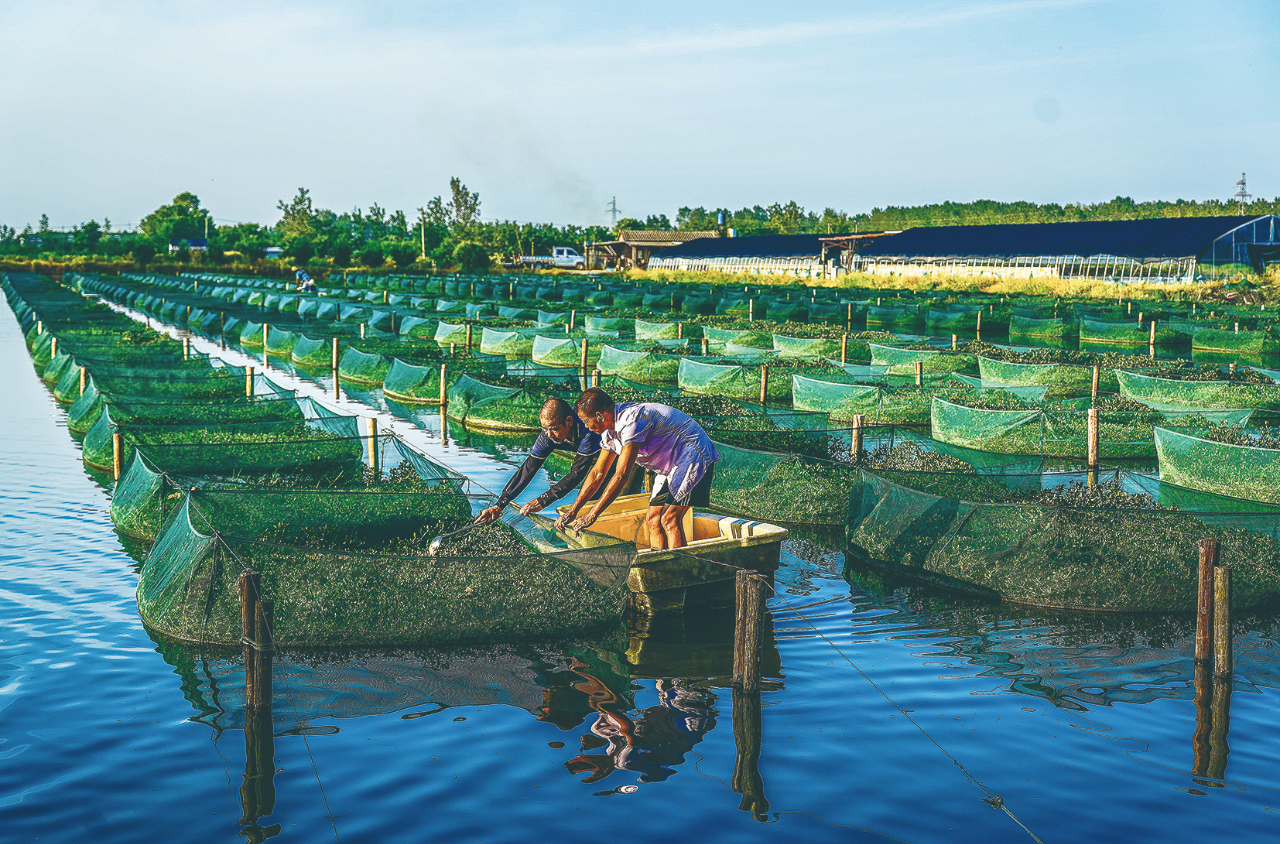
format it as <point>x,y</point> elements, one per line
<point>350,684</point>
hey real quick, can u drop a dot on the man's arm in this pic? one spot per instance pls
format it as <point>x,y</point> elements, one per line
<point>514,487</point>
<point>589,486</point>
<point>582,464</point>
<point>625,461</point>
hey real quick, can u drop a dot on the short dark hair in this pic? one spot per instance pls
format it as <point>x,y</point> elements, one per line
<point>594,400</point>
<point>554,410</point>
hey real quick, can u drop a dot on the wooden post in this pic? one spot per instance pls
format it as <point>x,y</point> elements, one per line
<point>1231,368</point>
<point>222,328</point>
<point>1237,328</point>
<point>444,385</point>
<point>1220,726</point>
<point>83,378</point>
<point>1202,680</point>
<point>248,382</point>
<point>595,377</point>
<point>39,327</point>
<point>1208,553</point>
<point>977,331</point>
<point>747,738</point>
<point>855,447</point>
<point>848,316</point>
<point>186,347</point>
<point>746,639</point>
<point>953,342</point>
<point>919,373</point>
<point>585,344</point>
<point>469,327</point>
<point>1140,315</point>
<point>1222,664</point>
<point>679,330</point>
<point>248,585</point>
<point>53,348</point>
<point>1097,370</point>
<point>117,457</point>
<point>371,428</point>
<point>706,347</point>
<point>573,313</point>
<point>764,383</point>
<point>1093,439</point>
<point>1153,332</point>
<point>751,310</point>
<point>362,326</point>
<point>265,620</point>
<point>264,343</point>
<point>334,355</point>
<point>844,348</point>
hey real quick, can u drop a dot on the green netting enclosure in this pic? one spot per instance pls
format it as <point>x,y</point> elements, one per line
<point>1054,554</point>
<point>1169,392</point>
<point>359,574</point>
<point>1245,472</point>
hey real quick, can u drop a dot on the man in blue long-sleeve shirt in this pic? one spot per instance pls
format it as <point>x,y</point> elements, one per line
<point>562,430</point>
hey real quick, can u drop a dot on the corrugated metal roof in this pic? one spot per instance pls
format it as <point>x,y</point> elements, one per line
<point>1173,237</point>
<point>764,246</point>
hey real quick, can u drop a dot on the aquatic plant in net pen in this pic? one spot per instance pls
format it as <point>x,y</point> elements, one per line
<point>1222,459</point>
<point>388,590</point>
<point>1075,547</point>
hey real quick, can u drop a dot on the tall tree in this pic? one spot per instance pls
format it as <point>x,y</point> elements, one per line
<point>182,218</point>
<point>297,218</point>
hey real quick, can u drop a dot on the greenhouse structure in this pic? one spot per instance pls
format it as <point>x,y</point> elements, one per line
<point>1129,251</point>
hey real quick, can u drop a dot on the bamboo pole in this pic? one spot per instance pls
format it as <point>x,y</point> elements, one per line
<point>83,378</point>
<point>186,347</point>
<point>444,385</point>
<point>1093,439</point>
<point>1208,559</point>
<point>334,355</point>
<point>1222,662</point>
<point>265,327</point>
<point>855,447</point>
<point>53,348</point>
<point>362,326</point>
<point>751,310</point>
<point>117,456</point>
<point>747,632</point>
<point>953,342</point>
<point>248,382</point>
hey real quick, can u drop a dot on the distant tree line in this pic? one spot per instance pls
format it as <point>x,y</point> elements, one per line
<point>449,232</point>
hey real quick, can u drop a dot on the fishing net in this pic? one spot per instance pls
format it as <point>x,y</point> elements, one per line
<point>645,367</point>
<point>562,351</point>
<point>492,407</point>
<point>656,330</point>
<point>1064,380</point>
<point>1189,459</point>
<point>1029,326</point>
<point>739,381</point>
<point>880,404</point>
<point>361,367</point>
<point>895,316</point>
<point>952,318</point>
<point>903,361</point>
<point>1248,342</point>
<point>1061,429</point>
<point>806,346</point>
<point>518,341</point>
<point>1168,392</point>
<point>1095,548</point>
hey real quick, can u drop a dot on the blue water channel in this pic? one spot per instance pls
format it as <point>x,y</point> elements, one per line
<point>889,712</point>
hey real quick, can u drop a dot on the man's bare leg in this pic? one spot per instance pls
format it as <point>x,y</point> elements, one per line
<point>673,525</point>
<point>653,520</point>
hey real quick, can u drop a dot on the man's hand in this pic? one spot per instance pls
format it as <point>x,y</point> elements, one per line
<point>584,522</point>
<point>563,521</point>
<point>533,506</point>
<point>489,515</point>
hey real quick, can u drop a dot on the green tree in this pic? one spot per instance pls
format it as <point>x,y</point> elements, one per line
<point>181,219</point>
<point>297,217</point>
<point>471,256</point>
<point>87,236</point>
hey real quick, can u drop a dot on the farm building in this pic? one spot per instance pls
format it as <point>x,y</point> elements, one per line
<point>634,247</point>
<point>1182,248</point>
<point>800,255</point>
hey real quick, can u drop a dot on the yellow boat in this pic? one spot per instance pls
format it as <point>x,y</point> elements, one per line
<point>700,574</point>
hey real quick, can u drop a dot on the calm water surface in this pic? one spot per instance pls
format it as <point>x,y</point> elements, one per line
<point>889,712</point>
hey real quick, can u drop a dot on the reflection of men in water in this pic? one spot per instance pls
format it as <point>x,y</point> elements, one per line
<point>654,743</point>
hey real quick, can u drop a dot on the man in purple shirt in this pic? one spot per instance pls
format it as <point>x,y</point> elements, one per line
<point>656,437</point>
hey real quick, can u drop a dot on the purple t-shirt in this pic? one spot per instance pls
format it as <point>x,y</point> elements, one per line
<point>667,440</point>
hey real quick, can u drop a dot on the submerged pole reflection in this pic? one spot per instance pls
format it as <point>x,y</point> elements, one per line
<point>747,734</point>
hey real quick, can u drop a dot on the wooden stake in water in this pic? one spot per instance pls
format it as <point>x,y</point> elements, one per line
<point>706,347</point>
<point>1222,662</point>
<point>444,385</point>
<point>469,327</point>
<point>53,347</point>
<point>83,378</point>
<point>1208,559</point>
<point>334,356</point>
<point>855,447</point>
<point>977,331</point>
<point>248,584</point>
<point>953,342</point>
<point>362,326</point>
<point>747,630</point>
<point>371,434</point>
<point>919,373</point>
<point>248,382</point>
<point>844,348</point>
<point>1153,332</point>
<point>679,330</point>
<point>751,310</point>
<point>573,314</point>
<point>1093,439</point>
<point>186,347</point>
<point>117,447</point>
<point>264,343</point>
<point>764,383</point>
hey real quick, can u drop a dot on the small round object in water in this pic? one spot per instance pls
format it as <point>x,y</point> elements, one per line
<point>627,789</point>
<point>555,744</point>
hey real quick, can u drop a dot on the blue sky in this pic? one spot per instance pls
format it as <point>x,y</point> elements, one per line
<point>549,110</point>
